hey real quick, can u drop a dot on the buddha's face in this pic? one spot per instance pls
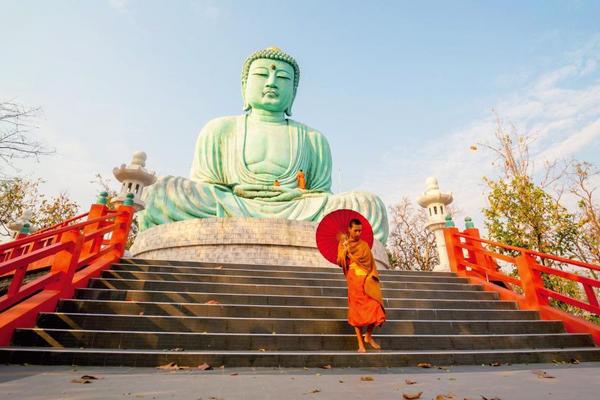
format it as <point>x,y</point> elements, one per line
<point>270,85</point>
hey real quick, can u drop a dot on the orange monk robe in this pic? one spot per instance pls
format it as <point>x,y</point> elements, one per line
<point>365,302</point>
<point>301,179</point>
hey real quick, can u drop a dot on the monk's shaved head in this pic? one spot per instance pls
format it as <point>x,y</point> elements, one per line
<point>354,221</point>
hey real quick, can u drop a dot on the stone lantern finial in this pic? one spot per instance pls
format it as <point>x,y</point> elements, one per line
<point>134,178</point>
<point>436,204</point>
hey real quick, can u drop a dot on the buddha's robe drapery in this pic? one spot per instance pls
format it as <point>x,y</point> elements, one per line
<point>219,166</point>
<point>365,302</point>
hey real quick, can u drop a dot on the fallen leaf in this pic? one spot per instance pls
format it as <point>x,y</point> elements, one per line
<point>176,349</point>
<point>412,396</point>
<point>169,366</point>
<point>490,398</point>
<point>574,361</point>
<point>234,374</point>
<point>542,374</point>
<point>340,381</point>
<point>424,365</point>
<point>326,366</point>
<point>444,368</point>
<point>204,367</point>
<point>366,378</point>
<point>213,302</point>
<point>314,391</point>
<point>81,381</point>
<point>409,382</point>
<point>495,364</point>
<point>473,147</point>
<point>262,349</point>
<point>445,397</point>
<point>88,377</point>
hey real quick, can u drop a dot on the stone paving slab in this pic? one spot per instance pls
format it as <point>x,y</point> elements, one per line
<point>507,382</point>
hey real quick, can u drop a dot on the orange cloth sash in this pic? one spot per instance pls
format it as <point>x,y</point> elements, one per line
<point>360,256</point>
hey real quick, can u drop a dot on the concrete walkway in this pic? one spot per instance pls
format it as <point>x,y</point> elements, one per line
<point>513,382</point>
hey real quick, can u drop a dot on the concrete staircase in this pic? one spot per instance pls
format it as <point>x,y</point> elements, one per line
<point>150,313</point>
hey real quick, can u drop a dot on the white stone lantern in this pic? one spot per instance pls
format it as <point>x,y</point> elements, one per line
<point>134,178</point>
<point>436,204</point>
<point>22,222</point>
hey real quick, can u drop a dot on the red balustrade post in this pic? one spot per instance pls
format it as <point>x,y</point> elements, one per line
<point>65,263</point>
<point>478,256</point>
<point>531,281</point>
<point>96,210</point>
<point>121,233</point>
<point>455,254</point>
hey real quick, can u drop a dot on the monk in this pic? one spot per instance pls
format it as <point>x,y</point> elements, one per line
<point>365,303</point>
<point>301,179</point>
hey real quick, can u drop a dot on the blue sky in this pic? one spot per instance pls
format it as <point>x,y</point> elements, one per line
<point>400,89</point>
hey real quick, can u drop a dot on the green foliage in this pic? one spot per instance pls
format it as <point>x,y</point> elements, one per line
<point>522,214</point>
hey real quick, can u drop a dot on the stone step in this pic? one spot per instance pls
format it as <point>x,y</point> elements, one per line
<point>325,267</point>
<point>290,300</point>
<point>283,325</point>
<point>273,311</point>
<point>333,273</point>
<point>260,280</point>
<point>281,289</point>
<point>296,359</point>
<point>180,341</point>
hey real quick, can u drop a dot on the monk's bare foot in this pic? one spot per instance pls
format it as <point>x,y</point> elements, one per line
<point>361,349</point>
<point>372,343</point>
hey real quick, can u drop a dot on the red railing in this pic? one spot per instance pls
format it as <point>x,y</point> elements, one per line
<point>479,260</point>
<point>73,253</point>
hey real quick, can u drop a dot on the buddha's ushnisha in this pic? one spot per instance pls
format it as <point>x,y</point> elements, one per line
<point>237,159</point>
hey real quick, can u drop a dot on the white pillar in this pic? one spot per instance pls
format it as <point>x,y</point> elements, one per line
<point>134,178</point>
<point>436,204</point>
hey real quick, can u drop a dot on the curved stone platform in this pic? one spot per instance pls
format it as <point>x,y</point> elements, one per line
<point>238,240</point>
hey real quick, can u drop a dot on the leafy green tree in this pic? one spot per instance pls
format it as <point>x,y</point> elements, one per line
<point>523,213</point>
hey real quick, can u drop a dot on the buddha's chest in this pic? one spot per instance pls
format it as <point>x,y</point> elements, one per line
<point>267,149</point>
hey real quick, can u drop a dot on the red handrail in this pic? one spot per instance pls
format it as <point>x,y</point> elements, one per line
<point>468,257</point>
<point>73,254</point>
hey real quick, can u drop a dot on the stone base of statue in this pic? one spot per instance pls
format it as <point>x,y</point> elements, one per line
<point>252,241</point>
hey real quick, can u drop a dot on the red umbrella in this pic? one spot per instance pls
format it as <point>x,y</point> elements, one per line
<point>333,226</point>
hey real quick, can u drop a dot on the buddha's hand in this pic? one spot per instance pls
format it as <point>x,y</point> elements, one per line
<point>266,193</point>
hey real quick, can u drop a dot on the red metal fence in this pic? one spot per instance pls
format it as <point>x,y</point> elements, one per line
<point>480,260</point>
<point>72,252</point>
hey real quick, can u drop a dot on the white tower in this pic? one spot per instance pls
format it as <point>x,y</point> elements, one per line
<point>134,178</point>
<point>436,204</point>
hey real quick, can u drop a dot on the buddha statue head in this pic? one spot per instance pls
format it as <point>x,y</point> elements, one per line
<point>269,81</point>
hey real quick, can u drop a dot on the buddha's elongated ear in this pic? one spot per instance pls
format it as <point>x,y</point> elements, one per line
<point>288,111</point>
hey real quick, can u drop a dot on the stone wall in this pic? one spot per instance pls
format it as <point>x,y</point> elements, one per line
<point>238,240</point>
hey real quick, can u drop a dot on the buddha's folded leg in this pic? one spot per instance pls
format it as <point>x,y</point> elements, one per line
<point>369,205</point>
<point>173,199</point>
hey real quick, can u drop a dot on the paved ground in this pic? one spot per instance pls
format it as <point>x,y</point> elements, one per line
<point>511,382</point>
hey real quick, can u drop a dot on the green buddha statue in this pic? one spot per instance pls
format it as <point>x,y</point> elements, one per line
<point>248,165</point>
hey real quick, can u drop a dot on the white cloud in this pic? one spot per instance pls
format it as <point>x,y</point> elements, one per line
<point>119,5</point>
<point>561,107</point>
